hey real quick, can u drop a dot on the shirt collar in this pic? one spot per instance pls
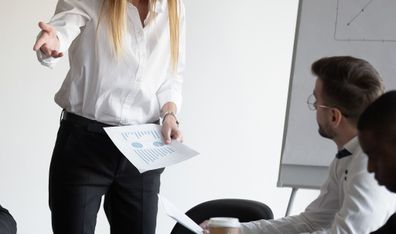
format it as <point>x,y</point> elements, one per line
<point>351,145</point>
<point>160,6</point>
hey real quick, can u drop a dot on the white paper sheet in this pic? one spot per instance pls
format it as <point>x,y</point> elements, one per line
<point>179,216</point>
<point>144,147</point>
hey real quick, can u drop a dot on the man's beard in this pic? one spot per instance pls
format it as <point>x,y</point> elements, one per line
<point>326,132</point>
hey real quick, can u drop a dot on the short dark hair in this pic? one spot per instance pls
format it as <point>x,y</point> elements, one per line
<point>380,116</point>
<point>349,84</point>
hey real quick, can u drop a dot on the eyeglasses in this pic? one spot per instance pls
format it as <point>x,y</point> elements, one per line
<point>313,106</point>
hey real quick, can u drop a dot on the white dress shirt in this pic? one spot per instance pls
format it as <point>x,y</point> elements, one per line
<point>350,201</point>
<point>127,90</point>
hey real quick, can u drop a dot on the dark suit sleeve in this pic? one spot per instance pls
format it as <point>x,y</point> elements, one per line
<point>7,222</point>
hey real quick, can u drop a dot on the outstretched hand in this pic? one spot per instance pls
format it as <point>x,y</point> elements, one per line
<point>48,42</point>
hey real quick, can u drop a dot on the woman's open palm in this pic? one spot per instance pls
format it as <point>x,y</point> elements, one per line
<point>47,41</point>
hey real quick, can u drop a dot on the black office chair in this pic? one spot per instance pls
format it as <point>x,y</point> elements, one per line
<point>244,210</point>
<point>7,222</point>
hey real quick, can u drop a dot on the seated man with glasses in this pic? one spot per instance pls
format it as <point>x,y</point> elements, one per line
<point>350,201</point>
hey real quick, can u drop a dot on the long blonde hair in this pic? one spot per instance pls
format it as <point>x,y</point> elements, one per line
<point>115,11</point>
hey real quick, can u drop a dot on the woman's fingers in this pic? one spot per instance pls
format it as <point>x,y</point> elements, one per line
<point>46,32</point>
<point>177,135</point>
<point>46,27</point>
<point>166,133</point>
<point>56,54</point>
<point>40,41</point>
<point>47,42</point>
<point>170,132</point>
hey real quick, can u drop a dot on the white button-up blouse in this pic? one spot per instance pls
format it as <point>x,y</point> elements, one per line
<point>130,89</point>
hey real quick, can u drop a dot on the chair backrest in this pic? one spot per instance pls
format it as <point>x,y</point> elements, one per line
<point>7,222</point>
<point>244,210</point>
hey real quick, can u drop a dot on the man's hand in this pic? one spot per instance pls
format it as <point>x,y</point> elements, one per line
<point>48,42</point>
<point>205,227</point>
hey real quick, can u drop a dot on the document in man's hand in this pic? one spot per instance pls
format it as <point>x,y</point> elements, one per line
<point>144,147</point>
<point>179,216</point>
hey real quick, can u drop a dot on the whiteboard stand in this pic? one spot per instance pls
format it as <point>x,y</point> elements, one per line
<point>291,200</point>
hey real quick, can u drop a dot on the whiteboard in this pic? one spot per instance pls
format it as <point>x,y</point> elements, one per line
<point>360,28</point>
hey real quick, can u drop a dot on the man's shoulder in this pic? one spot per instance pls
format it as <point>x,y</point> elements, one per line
<point>359,160</point>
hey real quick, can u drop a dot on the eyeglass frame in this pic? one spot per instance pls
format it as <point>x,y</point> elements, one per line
<point>313,106</point>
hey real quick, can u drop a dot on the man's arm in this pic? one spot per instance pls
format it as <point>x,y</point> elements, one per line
<point>318,216</point>
<point>290,224</point>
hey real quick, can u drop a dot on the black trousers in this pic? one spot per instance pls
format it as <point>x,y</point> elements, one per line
<point>7,222</point>
<point>85,166</point>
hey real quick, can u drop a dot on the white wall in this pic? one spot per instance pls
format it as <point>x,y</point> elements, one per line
<point>239,57</point>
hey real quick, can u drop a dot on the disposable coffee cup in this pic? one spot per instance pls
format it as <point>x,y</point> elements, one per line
<point>223,225</point>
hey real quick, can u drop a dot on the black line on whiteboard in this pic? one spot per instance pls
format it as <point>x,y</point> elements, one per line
<point>356,39</point>
<point>359,13</point>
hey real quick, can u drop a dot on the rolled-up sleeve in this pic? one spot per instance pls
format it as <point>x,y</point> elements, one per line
<point>171,89</point>
<point>70,16</point>
<point>286,225</point>
<point>364,207</point>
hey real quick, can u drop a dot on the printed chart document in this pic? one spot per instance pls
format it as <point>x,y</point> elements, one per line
<point>179,216</point>
<point>144,147</point>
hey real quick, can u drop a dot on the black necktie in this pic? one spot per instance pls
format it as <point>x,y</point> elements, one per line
<point>343,153</point>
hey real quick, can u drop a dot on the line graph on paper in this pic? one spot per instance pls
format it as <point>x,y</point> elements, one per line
<point>365,20</point>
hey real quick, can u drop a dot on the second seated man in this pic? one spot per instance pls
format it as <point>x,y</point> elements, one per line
<point>350,200</point>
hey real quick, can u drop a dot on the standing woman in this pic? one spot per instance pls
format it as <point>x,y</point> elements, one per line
<point>126,63</point>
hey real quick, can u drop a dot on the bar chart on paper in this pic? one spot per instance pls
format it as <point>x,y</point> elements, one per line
<point>144,147</point>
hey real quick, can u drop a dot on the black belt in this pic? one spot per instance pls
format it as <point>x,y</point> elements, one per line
<point>88,124</point>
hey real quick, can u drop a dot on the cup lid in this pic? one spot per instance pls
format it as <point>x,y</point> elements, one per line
<point>224,222</point>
